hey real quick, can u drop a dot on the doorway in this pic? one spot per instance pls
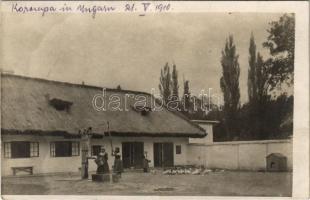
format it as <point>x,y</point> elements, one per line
<point>163,154</point>
<point>132,153</point>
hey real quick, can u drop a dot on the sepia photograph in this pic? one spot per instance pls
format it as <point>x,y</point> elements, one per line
<point>152,104</point>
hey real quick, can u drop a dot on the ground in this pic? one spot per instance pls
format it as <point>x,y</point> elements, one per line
<point>223,183</point>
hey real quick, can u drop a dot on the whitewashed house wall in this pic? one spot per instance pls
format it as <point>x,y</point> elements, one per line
<point>47,164</point>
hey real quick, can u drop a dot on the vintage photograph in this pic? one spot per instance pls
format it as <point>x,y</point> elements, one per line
<point>185,104</point>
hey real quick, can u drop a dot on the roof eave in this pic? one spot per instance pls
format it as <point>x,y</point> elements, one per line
<point>112,133</point>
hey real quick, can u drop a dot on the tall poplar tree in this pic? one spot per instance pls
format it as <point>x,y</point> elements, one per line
<point>252,89</point>
<point>175,83</point>
<point>186,96</point>
<point>258,85</point>
<point>165,83</point>
<point>229,83</point>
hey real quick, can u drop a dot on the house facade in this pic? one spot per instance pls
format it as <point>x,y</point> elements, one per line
<point>44,125</point>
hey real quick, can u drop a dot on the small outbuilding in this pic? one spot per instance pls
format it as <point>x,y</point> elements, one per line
<point>276,162</point>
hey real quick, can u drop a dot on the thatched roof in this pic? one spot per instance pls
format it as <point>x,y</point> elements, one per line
<point>28,106</point>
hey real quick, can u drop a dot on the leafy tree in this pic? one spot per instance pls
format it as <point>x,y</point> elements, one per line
<point>276,112</point>
<point>230,85</point>
<point>265,76</point>
<point>281,44</point>
<point>165,83</point>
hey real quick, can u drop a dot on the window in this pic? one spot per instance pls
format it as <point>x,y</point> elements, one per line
<point>52,149</point>
<point>34,149</point>
<point>64,149</point>
<point>178,149</point>
<point>21,149</point>
<point>75,148</point>
<point>95,150</point>
<point>7,150</point>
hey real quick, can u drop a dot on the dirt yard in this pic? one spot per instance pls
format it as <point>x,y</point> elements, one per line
<point>137,183</point>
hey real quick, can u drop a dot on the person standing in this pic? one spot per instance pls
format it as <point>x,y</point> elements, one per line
<point>145,163</point>
<point>102,162</point>
<point>118,165</point>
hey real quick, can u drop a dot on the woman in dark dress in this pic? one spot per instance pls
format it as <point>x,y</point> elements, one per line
<point>102,162</point>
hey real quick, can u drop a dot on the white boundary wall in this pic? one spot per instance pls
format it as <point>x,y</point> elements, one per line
<point>240,155</point>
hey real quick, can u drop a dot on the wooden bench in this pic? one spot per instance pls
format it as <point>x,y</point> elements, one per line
<point>24,169</point>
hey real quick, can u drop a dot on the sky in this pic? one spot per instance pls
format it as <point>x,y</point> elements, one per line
<point>130,50</point>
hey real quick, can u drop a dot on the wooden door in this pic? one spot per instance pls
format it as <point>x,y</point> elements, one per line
<point>158,155</point>
<point>168,154</point>
<point>163,155</point>
<point>126,154</point>
<point>132,153</point>
<point>138,152</point>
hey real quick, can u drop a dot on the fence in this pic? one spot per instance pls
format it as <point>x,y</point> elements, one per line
<point>241,155</point>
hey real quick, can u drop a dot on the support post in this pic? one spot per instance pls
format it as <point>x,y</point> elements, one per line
<point>84,168</point>
<point>85,153</point>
